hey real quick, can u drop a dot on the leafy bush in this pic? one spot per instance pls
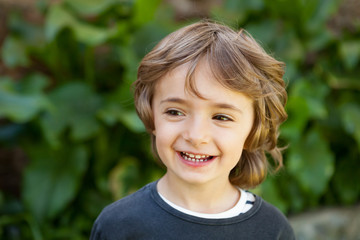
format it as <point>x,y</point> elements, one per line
<point>70,109</point>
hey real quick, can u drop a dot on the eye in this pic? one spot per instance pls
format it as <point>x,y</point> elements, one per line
<point>222,117</point>
<point>174,112</point>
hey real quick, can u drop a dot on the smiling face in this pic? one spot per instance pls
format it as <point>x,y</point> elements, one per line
<point>199,140</point>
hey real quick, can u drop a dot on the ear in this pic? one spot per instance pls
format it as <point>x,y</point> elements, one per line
<point>154,132</point>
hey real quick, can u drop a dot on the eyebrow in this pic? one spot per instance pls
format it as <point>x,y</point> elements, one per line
<point>217,105</point>
<point>228,106</point>
<point>174,100</point>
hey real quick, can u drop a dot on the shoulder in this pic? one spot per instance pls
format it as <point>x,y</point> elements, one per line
<point>129,204</point>
<point>269,210</point>
<point>124,213</point>
<point>272,219</point>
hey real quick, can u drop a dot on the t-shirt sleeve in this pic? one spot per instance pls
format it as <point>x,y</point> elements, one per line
<point>287,233</point>
<point>274,219</point>
<point>96,232</point>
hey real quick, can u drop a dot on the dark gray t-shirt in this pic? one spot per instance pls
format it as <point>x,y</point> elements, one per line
<point>145,215</point>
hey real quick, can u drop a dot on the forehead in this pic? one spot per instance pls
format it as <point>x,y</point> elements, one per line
<point>187,78</point>
<point>189,73</point>
<point>197,83</point>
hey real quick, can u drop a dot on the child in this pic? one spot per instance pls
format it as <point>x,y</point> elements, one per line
<point>212,100</point>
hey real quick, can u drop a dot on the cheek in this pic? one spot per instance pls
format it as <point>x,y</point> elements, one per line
<point>165,134</point>
<point>233,142</point>
<point>165,142</point>
<point>233,136</point>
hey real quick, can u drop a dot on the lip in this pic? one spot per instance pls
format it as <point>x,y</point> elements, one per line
<point>195,164</point>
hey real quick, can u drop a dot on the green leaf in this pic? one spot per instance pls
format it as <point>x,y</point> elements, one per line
<point>144,39</point>
<point>17,106</point>
<point>235,11</point>
<point>265,32</point>
<point>123,177</point>
<point>289,47</point>
<point>319,41</point>
<point>14,53</point>
<point>314,94</point>
<point>92,7</point>
<point>311,162</point>
<point>34,84</point>
<point>110,114</point>
<point>351,120</point>
<point>114,113</point>
<point>144,11</point>
<point>92,35</point>
<point>76,107</point>
<point>346,179</point>
<point>132,121</point>
<point>243,5</point>
<point>130,60</point>
<point>52,179</point>
<point>318,13</point>
<point>59,18</point>
<point>299,114</point>
<point>350,53</point>
<point>340,81</point>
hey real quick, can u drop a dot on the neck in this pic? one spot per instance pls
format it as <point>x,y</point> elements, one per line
<point>203,198</point>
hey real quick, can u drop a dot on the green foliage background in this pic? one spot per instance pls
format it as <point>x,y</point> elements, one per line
<point>73,117</point>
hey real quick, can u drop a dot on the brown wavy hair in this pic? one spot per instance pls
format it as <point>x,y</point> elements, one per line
<point>239,63</point>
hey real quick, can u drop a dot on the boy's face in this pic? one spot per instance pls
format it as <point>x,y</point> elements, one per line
<point>199,140</point>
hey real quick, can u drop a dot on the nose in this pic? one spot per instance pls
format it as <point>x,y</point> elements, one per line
<point>197,131</point>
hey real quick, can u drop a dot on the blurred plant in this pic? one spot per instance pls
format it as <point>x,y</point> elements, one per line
<point>70,108</point>
<point>73,114</point>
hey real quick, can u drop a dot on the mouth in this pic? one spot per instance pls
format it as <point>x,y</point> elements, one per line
<point>196,158</point>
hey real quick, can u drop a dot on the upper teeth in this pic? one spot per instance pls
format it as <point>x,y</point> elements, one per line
<point>195,157</point>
